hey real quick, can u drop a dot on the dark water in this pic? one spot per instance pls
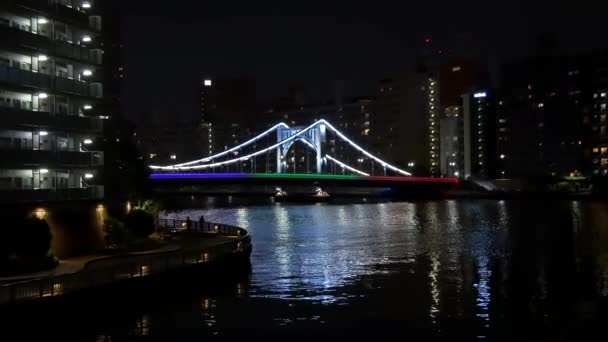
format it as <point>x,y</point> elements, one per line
<point>473,270</point>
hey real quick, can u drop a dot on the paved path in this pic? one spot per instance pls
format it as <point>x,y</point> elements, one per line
<point>77,264</point>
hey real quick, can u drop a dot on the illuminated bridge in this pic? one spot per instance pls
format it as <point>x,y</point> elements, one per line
<point>252,162</point>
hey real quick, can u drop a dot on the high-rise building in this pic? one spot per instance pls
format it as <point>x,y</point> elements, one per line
<point>541,111</point>
<point>451,159</point>
<point>164,140</point>
<point>597,119</point>
<point>400,124</point>
<point>228,108</point>
<point>445,86</point>
<point>433,117</point>
<point>479,130</point>
<point>51,82</point>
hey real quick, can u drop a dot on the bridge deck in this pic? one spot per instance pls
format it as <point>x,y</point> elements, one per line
<point>303,176</point>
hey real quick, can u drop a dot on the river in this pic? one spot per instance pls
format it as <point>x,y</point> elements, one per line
<point>467,269</point>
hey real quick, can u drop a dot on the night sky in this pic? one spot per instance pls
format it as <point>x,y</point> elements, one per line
<point>316,42</point>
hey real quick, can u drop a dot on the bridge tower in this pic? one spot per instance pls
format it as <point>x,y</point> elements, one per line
<point>313,138</point>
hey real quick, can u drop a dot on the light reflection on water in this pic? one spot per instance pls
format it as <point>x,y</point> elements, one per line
<point>473,269</point>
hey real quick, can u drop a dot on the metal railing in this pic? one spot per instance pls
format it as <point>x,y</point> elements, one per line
<point>105,271</point>
<point>180,225</point>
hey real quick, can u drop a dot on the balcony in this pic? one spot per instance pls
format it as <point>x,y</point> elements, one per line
<point>48,159</point>
<point>51,195</point>
<point>66,85</point>
<point>14,37</point>
<point>16,117</point>
<point>25,78</point>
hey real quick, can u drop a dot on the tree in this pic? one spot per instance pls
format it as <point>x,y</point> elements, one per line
<point>25,245</point>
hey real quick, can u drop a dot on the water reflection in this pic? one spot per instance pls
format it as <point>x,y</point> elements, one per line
<point>496,270</point>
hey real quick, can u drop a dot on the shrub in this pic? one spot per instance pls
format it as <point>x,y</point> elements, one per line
<point>25,246</point>
<point>139,223</point>
<point>116,233</point>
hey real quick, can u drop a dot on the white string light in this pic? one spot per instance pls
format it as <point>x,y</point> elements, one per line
<point>185,166</point>
<point>353,144</point>
<point>205,166</point>
<point>346,166</point>
<point>215,156</point>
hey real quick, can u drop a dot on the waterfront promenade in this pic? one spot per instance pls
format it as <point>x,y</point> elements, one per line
<point>201,244</point>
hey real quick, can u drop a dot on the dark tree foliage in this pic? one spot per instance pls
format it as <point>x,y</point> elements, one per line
<point>140,223</point>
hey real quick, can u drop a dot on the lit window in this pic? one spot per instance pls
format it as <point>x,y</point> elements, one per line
<point>541,105</point>
<point>207,83</point>
<point>604,150</point>
<point>603,95</point>
<point>456,68</point>
<point>603,106</point>
<point>173,156</point>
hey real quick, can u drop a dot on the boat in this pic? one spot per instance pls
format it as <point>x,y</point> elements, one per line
<point>318,196</point>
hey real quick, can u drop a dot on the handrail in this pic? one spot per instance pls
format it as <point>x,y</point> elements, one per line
<point>137,265</point>
<point>180,225</point>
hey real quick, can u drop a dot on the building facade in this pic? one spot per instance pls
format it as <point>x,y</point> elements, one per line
<point>227,108</point>
<point>51,82</point>
<point>479,129</point>
<point>541,110</point>
<point>451,146</point>
<point>596,121</point>
<point>401,123</point>
<point>445,85</point>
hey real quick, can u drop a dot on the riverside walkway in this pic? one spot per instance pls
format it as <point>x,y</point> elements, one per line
<point>201,243</point>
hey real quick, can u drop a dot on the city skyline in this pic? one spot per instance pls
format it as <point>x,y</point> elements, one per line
<point>316,44</point>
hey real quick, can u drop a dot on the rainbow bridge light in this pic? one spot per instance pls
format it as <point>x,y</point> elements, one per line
<point>312,176</point>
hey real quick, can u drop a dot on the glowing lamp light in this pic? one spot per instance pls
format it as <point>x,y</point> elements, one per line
<point>87,141</point>
<point>42,21</point>
<point>86,4</point>
<point>86,39</point>
<point>42,58</point>
<point>40,213</point>
<point>502,156</point>
<point>479,95</point>
<point>88,175</point>
<point>87,72</point>
<point>43,133</point>
<point>43,95</point>
<point>87,107</point>
<point>44,170</point>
